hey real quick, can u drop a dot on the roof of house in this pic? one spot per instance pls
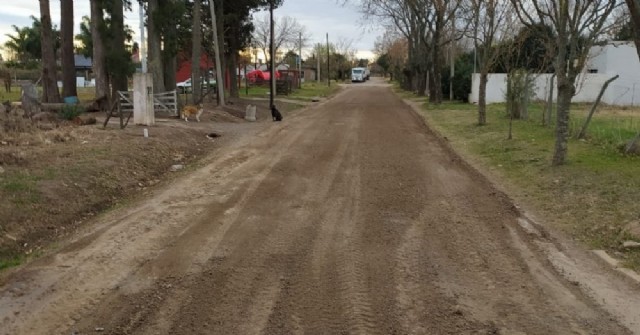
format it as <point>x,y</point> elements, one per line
<point>82,61</point>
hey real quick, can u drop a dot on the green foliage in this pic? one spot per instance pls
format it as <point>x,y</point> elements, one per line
<point>24,44</point>
<point>624,32</point>
<point>10,262</point>
<point>384,62</point>
<point>530,49</point>
<point>461,77</point>
<point>84,37</point>
<point>70,112</point>
<point>20,188</point>
<point>520,88</point>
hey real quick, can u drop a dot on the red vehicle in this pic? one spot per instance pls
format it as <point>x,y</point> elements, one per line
<point>257,76</point>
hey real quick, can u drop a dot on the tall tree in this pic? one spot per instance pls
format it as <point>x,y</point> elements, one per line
<point>119,57</point>
<point>287,34</point>
<point>634,10</point>
<point>487,17</point>
<point>154,43</point>
<point>99,52</point>
<point>196,51</point>
<point>68,62</point>
<point>49,79</point>
<point>578,25</point>
<point>25,42</point>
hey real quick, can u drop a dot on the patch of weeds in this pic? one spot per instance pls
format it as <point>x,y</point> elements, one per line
<point>10,262</point>
<point>20,188</point>
<point>70,112</point>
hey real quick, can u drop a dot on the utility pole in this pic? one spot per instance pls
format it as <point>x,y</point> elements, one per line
<point>328,63</point>
<point>272,56</point>
<point>318,59</point>
<point>216,49</point>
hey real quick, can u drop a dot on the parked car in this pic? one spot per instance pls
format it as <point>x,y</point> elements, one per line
<point>185,86</point>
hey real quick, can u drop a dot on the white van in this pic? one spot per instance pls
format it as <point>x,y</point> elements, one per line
<point>358,74</point>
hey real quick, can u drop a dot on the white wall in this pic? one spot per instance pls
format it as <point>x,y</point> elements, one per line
<point>617,58</point>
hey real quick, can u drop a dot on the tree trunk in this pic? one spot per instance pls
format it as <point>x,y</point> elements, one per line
<point>68,62</point>
<point>565,93</point>
<point>154,49</point>
<point>221,83</point>
<point>119,80</point>
<point>566,89</point>
<point>634,10</point>
<point>234,47</point>
<point>482,98</point>
<point>50,91</point>
<point>170,63</point>
<point>98,60</point>
<point>196,52</point>
<point>546,118</point>
<point>524,104</point>
<point>216,47</point>
<point>170,57</point>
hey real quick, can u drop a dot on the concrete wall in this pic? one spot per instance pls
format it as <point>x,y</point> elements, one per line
<point>588,87</point>
<point>617,58</point>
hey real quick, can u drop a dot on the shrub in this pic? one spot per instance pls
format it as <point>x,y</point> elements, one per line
<point>70,112</point>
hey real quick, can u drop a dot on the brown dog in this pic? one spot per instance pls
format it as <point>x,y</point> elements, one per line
<point>190,110</point>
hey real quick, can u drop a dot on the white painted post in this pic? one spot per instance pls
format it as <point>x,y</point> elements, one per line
<point>143,99</point>
<point>250,113</point>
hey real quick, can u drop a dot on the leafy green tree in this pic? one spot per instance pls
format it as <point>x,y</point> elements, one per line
<point>84,38</point>
<point>25,43</point>
<point>384,62</point>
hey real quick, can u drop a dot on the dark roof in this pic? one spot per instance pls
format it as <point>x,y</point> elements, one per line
<point>82,61</point>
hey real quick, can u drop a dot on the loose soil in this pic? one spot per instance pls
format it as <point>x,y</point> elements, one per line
<point>51,182</point>
<point>350,217</point>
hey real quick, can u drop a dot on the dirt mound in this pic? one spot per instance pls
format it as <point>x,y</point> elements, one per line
<point>52,180</point>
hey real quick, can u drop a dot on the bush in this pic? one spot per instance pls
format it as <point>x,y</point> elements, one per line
<point>70,112</point>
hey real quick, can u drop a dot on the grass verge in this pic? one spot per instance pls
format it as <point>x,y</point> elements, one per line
<point>308,91</point>
<point>592,198</point>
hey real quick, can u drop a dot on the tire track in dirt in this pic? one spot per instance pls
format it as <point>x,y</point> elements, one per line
<point>352,218</point>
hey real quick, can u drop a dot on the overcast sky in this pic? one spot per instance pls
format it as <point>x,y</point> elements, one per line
<point>318,16</point>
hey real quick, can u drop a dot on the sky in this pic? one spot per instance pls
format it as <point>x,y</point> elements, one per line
<point>318,16</point>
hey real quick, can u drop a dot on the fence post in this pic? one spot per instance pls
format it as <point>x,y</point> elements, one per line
<point>143,109</point>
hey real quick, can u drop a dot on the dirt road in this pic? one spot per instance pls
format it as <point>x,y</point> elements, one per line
<point>348,218</point>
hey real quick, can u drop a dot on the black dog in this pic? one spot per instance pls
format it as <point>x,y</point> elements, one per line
<point>275,114</point>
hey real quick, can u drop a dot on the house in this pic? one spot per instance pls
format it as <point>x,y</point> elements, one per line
<point>605,61</point>
<point>617,58</point>
<point>309,73</point>
<point>184,66</point>
<point>84,70</point>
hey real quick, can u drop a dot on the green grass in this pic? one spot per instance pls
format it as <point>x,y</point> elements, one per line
<point>308,91</point>
<point>14,261</point>
<point>591,198</point>
<point>21,188</point>
<point>85,94</point>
